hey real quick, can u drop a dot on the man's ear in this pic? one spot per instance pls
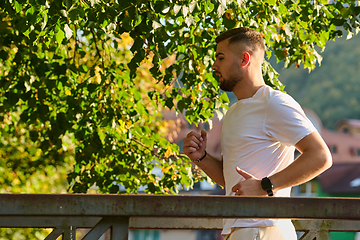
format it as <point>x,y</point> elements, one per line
<point>245,59</point>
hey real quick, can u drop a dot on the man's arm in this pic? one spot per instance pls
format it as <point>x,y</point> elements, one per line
<point>315,158</point>
<point>194,147</point>
<point>213,168</point>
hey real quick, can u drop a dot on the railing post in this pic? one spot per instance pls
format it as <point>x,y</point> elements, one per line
<point>322,235</point>
<point>69,233</point>
<point>119,228</point>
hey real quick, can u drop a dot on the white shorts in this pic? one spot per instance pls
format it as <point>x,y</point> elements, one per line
<point>284,230</point>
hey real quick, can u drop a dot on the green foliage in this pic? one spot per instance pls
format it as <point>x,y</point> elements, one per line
<point>25,234</point>
<point>83,83</point>
<point>24,169</point>
<point>69,71</point>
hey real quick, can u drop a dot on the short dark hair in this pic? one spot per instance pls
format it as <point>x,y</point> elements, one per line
<point>250,37</point>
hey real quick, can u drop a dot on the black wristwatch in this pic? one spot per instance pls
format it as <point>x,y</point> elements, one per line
<point>267,186</point>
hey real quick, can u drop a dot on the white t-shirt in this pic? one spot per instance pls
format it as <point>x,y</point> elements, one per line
<point>258,135</point>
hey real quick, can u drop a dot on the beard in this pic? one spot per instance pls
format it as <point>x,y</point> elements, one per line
<point>229,84</point>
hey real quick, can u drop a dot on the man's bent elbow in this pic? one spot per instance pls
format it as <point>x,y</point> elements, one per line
<point>326,159</point>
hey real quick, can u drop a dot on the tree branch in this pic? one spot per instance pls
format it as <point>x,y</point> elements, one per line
<point>95,42</point>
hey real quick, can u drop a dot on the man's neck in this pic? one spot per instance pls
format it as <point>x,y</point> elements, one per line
<point>247,89</point>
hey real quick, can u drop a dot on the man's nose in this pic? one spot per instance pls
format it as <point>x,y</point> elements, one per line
<point>214,67</point>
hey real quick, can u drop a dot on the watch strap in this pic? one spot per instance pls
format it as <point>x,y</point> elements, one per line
<point>202,157</point>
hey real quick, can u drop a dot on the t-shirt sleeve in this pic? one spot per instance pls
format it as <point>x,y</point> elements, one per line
<point>286,121</point>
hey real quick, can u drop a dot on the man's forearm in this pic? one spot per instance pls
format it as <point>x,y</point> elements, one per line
<point>213,168</point>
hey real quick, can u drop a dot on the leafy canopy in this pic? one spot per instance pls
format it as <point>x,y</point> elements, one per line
<point>89,79</point>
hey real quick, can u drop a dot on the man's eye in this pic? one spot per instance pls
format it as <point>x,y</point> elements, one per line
<point>221,59</point>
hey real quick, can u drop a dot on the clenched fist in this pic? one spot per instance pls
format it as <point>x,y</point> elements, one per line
<point>195,145</point>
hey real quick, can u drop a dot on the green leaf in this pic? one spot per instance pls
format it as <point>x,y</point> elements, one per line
<point>209,7</point>
<point>18,6</point>
<point>224,98</point>
<point>169,103</point>
<point>114,189</point>
<point>270,2</point>
<point>60,35</point>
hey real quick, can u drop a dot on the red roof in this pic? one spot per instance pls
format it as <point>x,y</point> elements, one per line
<point>341,179</point>
<point>355,123</point>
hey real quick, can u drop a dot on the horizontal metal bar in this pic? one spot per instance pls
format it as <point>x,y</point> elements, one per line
<point>330,225</point>
<point>165,223</point>
<point>175,223</point>
<point>178,206</point>
<point>216,224</point>
<point>47,221</point>
<point>90,222</point>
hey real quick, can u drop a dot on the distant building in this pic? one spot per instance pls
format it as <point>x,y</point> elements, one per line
<point>343,178</point>
<point>349,126</point>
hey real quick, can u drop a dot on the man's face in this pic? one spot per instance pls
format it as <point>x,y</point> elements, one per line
<point>226,66</point>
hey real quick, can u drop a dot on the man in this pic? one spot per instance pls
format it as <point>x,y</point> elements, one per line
<point>259,136</point>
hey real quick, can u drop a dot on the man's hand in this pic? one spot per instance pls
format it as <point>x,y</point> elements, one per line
<point>195,145</point>
<point>251,186</point>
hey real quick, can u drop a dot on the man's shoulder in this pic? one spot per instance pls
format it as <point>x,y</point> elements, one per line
<point>278,97</point>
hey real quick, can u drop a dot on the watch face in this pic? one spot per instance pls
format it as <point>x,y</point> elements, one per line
<point>266,184</point>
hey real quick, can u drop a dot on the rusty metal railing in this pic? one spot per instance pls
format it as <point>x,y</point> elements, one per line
<point>67,212</point>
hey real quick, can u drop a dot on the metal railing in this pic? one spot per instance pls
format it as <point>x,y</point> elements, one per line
<point>67,212</point>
